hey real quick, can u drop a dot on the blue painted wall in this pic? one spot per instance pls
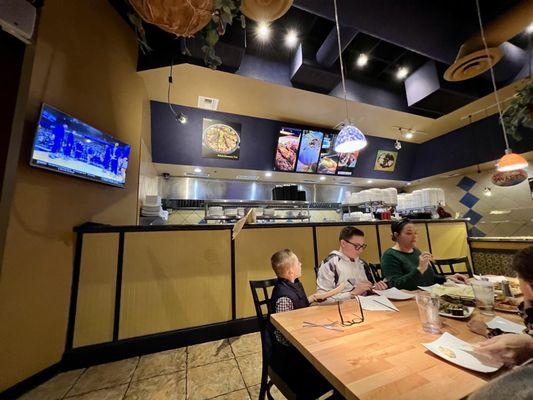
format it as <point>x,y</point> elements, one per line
<point>174,143</point>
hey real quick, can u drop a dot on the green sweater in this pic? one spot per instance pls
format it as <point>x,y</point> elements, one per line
<point>401,270</point>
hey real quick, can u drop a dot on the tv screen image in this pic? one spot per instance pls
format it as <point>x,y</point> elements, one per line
<point>67,145</point>
<point>310,146</point>
<point>328,158</point>
<point>287,149</point>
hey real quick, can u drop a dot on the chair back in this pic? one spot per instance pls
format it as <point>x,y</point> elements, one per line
<point>375,270</point>
<point>451,262</point>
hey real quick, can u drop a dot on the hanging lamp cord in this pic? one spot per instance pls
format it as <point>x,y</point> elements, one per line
<point>340,59</point>
<point>500,113</point>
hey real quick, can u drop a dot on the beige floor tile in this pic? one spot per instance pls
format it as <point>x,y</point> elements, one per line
<point>207,353</point>
<point>237,395</point>
<point>105,376</point>
<point>163,387</point>
<point>55,388</point>
<point>161,363</point>
<point>250,366</point>
<point>114,393</point>
<point>254,392</point>
<point>213,380</point>
<point>246,344</point>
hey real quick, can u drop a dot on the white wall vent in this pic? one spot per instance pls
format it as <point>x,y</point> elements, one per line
<point>207,103</point>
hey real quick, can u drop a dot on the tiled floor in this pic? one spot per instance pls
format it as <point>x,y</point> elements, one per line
<point>222,370</point>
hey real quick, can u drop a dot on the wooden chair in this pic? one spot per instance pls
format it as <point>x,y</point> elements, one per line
<point>451,262</point>
<point>262,309</point>
<point>376,271</point>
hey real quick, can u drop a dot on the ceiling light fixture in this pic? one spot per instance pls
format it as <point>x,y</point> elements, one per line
<point>350,138</point>
<point>268,174</point>
<point>322,178</point>
<point>369,181</point>
<point>198,170</point>
<point>410,133</point>
<point>529,29</point>
<point>291,38</point>
<point>397,145</point>
<point>487,192</point>
<point>402,73</point>
<point>362,60</point>
<point>510,161</point>
<point>263,31</point>
<point>180,117</point>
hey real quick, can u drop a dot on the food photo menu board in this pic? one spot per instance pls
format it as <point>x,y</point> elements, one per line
<point>221,139</point>
<point>310,147</point>
<point>347,162</point>
<point>328,161</point>
<point>287,149</point>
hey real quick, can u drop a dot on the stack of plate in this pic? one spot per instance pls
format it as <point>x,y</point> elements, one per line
<point>215,211</point>
<point>152,208</point>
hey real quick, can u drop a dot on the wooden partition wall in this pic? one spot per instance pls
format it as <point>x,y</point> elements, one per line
<point>130,282</point>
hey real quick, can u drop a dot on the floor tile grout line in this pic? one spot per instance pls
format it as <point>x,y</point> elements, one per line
<point>186,372</point>
<point>131,379</point>
<point>239,368</point>
<point>74,384</point>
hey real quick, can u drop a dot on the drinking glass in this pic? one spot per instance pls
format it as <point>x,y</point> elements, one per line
<point>428,309</point>
<point>484,294</point>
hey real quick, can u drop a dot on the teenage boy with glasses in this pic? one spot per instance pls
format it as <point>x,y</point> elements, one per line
<point>346,266</point>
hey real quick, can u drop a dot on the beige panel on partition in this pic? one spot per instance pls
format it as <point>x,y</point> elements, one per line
<point>327,238</point>
<point>500,245</point>
<point>174,280</point>
<point>96,294</point>
<point>449,240</point>
<point>385,236</point>
<point>253,249</point>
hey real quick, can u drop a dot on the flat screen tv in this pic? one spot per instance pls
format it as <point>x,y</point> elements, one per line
<point>287,149</point>
<point>67,145</point>
<point>310,147</point>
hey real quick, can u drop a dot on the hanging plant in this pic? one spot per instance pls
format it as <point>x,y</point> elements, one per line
<point>519,112</point>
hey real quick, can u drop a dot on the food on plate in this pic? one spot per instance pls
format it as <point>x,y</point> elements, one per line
<point>453,309</point>
<point>386,160</point>
<point>221,138</point>
<point>327,165</point>
<point>508,304</point>
<point>447,352</point>
<point>515,287</point>
<point>453,291</point>
<point>286,153</point>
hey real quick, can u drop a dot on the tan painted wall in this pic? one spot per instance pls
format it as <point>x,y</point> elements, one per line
<point>85,65</point>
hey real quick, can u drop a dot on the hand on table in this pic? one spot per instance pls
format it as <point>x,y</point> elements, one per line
<point>423,261</point>
<point>458,278</point>
<point>510,349</point>
<point>380,286</point>
<point>360,288</point>
<point>478,327</point>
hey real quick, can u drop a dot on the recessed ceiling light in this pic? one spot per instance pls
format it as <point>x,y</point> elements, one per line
<point>408,183</point>
<point>369,181</point>
<point>291,38</point>
<point>263,31</point>
<point>362,60</point>
<point>322,178</point>
<point>402,72</point>
<point>487,192</point>
<point>529,28</point>
<point>268,174</point>
<point>409,134</point>
<point>197,170</point>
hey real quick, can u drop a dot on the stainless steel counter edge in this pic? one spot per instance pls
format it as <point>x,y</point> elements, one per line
<point>102,228</point>
<point>502,239</point>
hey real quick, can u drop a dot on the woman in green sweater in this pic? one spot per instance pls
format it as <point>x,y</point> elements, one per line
<point>406,267</point>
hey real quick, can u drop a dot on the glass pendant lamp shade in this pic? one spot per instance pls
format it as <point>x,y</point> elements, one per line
<point>511,162</point>
<point>350,139</point>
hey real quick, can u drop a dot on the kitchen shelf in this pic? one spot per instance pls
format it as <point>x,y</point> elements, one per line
<point>302,206</point>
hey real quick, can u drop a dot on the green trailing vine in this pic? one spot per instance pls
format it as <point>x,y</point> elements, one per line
<point>519,112</point>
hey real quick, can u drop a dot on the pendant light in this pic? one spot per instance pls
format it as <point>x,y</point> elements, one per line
<point>510,161</point>
<point>350,138</point>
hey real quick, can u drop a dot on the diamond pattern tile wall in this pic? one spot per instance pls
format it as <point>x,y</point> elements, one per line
<point>474,216</point>
<point>469,200</point>
<point>466,183</point>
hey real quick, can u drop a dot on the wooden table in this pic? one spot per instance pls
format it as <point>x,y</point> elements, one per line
<point>382,358</point>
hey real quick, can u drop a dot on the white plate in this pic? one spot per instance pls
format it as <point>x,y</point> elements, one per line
<point>467,315</point>
<point>458,352</point>
<point>505,325</point>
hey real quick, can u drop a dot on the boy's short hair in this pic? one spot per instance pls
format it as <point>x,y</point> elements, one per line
<point>348,231</point>
<point>523,264</point>
<point>280,261</point>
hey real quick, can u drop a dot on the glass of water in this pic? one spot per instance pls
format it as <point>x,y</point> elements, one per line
<point>428,309</point>
<point>484,294</point>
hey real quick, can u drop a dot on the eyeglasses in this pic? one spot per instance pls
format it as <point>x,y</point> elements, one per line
<point>354,321</point>
<point>357,246</point>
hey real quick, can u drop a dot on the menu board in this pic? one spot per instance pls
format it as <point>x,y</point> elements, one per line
<point>310,147</point>
<point>347,162</point>
<point>287,149</point>
<point>328,161</point>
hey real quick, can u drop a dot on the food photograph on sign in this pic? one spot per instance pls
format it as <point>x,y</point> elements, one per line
<point>287,149</point>
<point>310,146</point>
<point>328,161</point>
<point>386,160</point>
<point>221,139</point>
<point>347,163</point>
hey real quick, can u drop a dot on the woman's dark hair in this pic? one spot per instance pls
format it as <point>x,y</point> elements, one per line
<point>348,231</point>
<point>523,264</point>
<point>397,226</point>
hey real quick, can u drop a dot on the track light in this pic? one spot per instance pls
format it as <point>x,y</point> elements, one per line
<point>397,145</point>
<point>263,31</point>
<point>181,118</point>
<point>409,134</point>
<point>362,60</point>
<point>487,192</point>
<point>291,38</point>
<point>402,72</point>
